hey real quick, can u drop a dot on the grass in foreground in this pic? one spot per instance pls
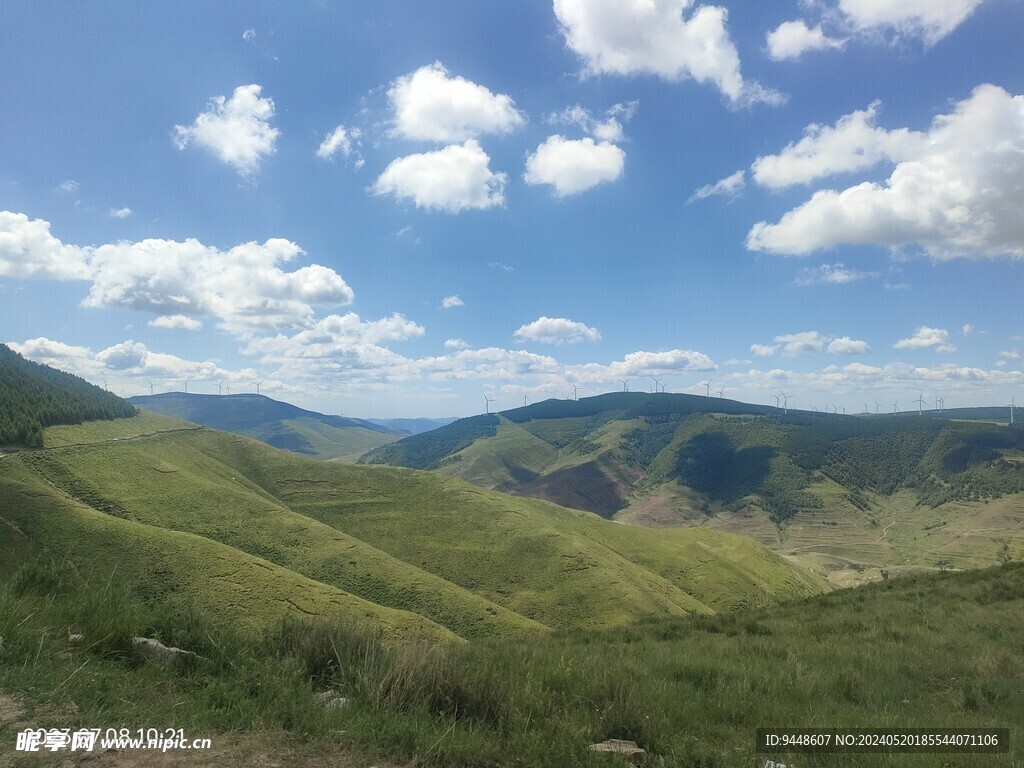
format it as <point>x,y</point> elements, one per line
<point>937,650</point>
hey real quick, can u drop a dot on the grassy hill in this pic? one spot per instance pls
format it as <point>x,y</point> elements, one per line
<point>454,560</point>
<point>936,651</point>
<point>851,495</point>
<point>276,423</point>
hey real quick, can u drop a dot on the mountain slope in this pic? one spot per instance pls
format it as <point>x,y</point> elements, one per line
<point>848,494</point>
<point>443,553</point>
<point>33,396</point>
<point>276,423</point>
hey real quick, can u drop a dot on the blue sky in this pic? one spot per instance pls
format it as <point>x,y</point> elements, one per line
<point>388,209</point>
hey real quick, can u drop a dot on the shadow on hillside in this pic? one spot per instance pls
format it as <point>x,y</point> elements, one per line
<point>710,464</point>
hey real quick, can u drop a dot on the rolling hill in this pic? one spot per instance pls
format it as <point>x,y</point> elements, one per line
<point>850,495</point>
<point>275,423</point>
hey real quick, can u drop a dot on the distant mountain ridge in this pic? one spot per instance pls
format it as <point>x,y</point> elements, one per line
<point>414,426</point>
<point>860,488</point>
<point>274,422</point>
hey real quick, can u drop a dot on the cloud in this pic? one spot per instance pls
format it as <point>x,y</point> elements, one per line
<point>1010,354</point>
<point>451,179</point>
<point>120,213</point>
<point>610,129</point>
<point>830,274</point>
<point>925,338</point>
<point>731,186</point>
<point>847,346</point>
<point>574,165</point>
<point>342,140</point>
<point>68,185</point>
<point>791,39</point>
<point>177,321</point>
<point>249,35</point>
<point>28,250</point>
<point>503,267</point>
<point>794,344</point>
<point>128,364</point>
<point>967,330</point>
<point>452,301</point>
<point>236,130</point>
<point>929,19</point>
<point>557,330</point>
<point>429,105</point>
<point>852,144</point>
<point>954,193</point>
<point>245,287</point>
<point>764,350</point>
<point>455,344</point>
<point>632,37</point>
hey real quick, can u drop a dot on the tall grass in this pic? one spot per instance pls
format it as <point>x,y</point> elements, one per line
<point>942,650</point>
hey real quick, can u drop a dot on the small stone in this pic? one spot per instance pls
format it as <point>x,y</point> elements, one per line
<point>629,749</point>
<point>330,700</point>
<point>156,651</point>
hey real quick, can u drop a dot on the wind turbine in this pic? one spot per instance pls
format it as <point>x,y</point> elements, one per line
<point>150,386</point>
<point>258,385</point>
<point>227,390</point>
<point>707,388</point>
<point>657,383</point>
<point>785,401</point>
<point>186,386</point>
<point>1013,408</point>
<point>488,402</point>
<point>776,400</point>
<point>624,382</point>
<point>526,401</point>
<point>575,391</point>
<point>721,392</point>
<point>865,409</point>
<point>920,401</point>
<point>220,388</point>
<point>940,402</point>
<point>876,407</point>
<point>894,407</point>
<point>104,383</point>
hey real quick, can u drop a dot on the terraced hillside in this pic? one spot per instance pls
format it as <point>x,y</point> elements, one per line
<point>253,533</point>
<point>850,495</point>
<point>275,423</point>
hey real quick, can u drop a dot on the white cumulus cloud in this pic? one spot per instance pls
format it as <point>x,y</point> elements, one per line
<point>731,186</point>
<point>455,344</point>
<point>430,105</point>
<point>927,338</point>
<point>120,213</point>
<point>929,19</point>
<point>342,140</point>
<point>844,345</point>
<point>28,250</point>
<point>451,179</point>
<point>852,144</point>
<point>574,165</point>
<point>792,39</point>
<point>177,321</point>
<point>955,192</point>
<point>629,37</point>
<point>608,129</point>
<point>452,301</point>
<point>245,287</point>
<point>236,130</point>
<point>557,330</point>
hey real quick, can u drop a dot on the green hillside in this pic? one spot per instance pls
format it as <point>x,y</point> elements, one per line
<point>443,553</point>
<point>34,396</point>
<point>823,488</point>
<point>276,423</point>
